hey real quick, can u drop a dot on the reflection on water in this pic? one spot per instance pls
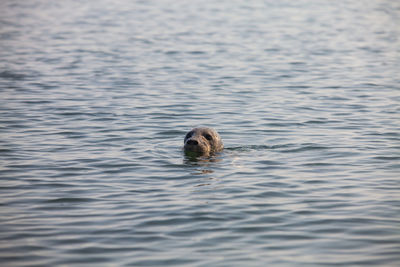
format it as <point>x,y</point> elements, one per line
<point>96,98</point>
<point>202,164</point>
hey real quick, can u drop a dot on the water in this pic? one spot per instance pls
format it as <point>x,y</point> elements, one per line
<point>96,97</point>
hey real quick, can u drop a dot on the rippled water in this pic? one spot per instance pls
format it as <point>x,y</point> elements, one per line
<point>96,97</point>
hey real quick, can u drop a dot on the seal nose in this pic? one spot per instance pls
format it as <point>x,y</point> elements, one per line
<point>192,142</point>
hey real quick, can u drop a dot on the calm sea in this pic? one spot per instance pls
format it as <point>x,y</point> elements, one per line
<point>96,97</point>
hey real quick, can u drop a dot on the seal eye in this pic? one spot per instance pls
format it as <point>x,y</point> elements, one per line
<point>188,135</point>
<point>208,137</point>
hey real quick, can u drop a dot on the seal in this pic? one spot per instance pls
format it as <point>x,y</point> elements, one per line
<point>203,141</point>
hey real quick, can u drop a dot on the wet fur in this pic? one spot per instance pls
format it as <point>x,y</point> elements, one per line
<point>203,141</point>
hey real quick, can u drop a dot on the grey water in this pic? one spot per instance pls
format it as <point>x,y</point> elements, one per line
<point>96,97</point>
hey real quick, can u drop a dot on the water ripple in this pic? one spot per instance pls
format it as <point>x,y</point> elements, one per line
<point>96,99</point>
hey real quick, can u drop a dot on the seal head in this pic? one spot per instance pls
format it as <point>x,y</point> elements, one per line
<point>203,141</point>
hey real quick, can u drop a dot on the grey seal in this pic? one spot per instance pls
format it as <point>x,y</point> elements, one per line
<point>203,141</point>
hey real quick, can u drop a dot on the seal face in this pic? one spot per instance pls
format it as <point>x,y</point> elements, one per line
<point>203,141</point>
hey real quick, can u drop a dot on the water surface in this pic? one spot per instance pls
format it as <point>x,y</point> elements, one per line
<point>96,97</point>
